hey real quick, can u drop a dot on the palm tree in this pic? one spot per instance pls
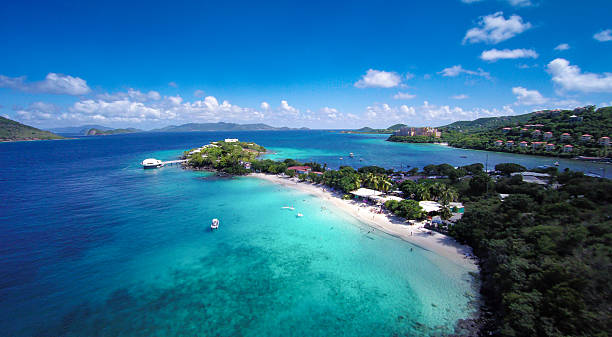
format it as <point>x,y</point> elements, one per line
<point>384,184</point>
<point>448,194</point>
<point>422,192</point>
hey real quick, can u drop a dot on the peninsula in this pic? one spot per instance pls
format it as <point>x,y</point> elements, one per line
<point>11,131</point>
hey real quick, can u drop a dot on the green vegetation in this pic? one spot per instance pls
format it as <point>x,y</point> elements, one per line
<point>98,132</point>
<point>481,134</point>
<point>11,131</point>
<point>221,126</point>
<point>408,209</point>
<point>231,158</point>
<point>388,130</point>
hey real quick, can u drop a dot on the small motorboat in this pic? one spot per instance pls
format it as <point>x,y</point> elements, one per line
<point>299,215</point>
<point>351,155</point>
<point>214,224</point>
<point>288,207</point>
<point>341,158</point>
<point>556,163</point>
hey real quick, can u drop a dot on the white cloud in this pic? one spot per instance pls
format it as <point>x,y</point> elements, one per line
<point>528,97</point>
<point>177,100</point>
<point>562,46</point>
<point>603,36</point>
<point>199,93</point>
<point>403,95</point>
<point>494,28</point>
<point>287,109</point>
<point>515,3</point>
<point>331,113</point>
<point>457,70</point>
<point>172,84</point>
<point>37,111</point>
<point>264,106</point>
<point>379,79</point>
<point>409,76</point>
<point>460,96</point>
<point>570,77</point>
<point>52,84</point>
<point>495,54</point>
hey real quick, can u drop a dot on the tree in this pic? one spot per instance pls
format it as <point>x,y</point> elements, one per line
<point>508,168</point>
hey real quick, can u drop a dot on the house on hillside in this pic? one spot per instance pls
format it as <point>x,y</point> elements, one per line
<point>536,133</point>
<point>300,169</point>
<point>231,140</point>
<point>550,147</point>
<point>506,130</point>
<point>499,142</point>
<point>575,119</point>
<point>586,137</point>
<point>568,148</point>
<point>509,144</point>
<point>537,145</point>
<point>565,136</point>
<point>548,135</point>
<point>523,144</point>
<point>605,141</point>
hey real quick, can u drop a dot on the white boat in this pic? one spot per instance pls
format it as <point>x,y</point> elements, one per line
<point>288,207</point>
<point>300,215</point>
<point>151,163</point>
<point>351,155</point>
<point>214,224</point>
<point>556,163</point>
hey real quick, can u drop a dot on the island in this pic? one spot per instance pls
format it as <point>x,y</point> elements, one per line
<point>98,132</point>
<point>221,126</point>
<point>229,156</point>
<point>11,131</point>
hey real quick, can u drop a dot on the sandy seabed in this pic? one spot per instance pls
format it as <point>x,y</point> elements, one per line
<point>438,243</point>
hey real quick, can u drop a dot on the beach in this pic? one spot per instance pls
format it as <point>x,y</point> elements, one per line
<point>416,234</point>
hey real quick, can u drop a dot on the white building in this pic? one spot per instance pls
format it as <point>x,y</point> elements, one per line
<point>231,140</point>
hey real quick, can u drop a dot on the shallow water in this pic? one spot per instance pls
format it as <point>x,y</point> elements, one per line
<point>94,245</point>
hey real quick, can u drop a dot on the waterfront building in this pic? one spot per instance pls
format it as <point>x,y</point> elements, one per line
<point>550,147</point>
<point>426,131</point>
<point>510,144</point>
<point>499,142</point>
<point>568,148</point>
<point>300,169</point>
<point>604,141</point>
<point>231,140</point>
<point>523,144</point>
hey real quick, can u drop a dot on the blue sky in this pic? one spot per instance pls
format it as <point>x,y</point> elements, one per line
<point>314,64</point>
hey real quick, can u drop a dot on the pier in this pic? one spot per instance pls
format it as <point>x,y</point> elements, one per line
<point>172,162</point>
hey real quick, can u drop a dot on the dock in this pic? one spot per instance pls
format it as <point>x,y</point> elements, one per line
<point>172,162</point>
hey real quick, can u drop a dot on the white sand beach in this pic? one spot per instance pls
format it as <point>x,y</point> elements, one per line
<point>438,243</point>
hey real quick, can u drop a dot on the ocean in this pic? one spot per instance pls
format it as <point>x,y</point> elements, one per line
<point>93,245</point>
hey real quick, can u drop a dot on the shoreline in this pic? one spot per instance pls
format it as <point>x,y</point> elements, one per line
<point>437,243</point>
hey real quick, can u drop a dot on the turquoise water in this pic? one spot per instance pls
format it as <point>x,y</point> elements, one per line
<point>92,245</point>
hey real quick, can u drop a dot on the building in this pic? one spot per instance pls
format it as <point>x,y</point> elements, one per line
<point>586,137</point>
<point>300,169</point>
<point>605,141</point>
<point>536,133</point>
<point>231,140</point>
<point>537,145</point>
<point>575,119</point>
<point>506,130</point>
<point>550,147</point>
<point>510,144</point>
<point>565,136</point>
<point>524,130</point>
<point>568,148</point>
<point>499,142</point>
<point>523,144</point>
<point>426,131</point>
<point>548,135</point>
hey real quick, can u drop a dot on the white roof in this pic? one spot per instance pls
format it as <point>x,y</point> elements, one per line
<point>365,192</point>
<point>455,204</point>
<point>151,161</point>
<point>430,206</point>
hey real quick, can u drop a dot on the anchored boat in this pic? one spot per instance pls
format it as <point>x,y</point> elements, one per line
<point>214,224</point>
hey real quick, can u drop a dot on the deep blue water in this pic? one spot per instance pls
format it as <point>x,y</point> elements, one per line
<point>91,244</point>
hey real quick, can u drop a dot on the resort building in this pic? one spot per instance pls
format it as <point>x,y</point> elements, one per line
<point>604,141</point>
<point>548,135</point>
<point>550,147</point>
<point>510,144</point>
<point>575,119</point>
<point>536,133</point>
<point>524,130</point>
<point>231,140</point>
<point>506,130</point>
<point>426,131</point>
<point>300,169</point>
<point>523,144</point>
<point>499,142</point>
<point>568,148</point>
<point>586,137</point>
<point>537,145</point>
<point>565,136</point>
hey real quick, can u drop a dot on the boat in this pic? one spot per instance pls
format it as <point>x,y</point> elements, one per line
<point>351,155</point>
<point>214,224</point>
<point>341,158</point>
<point>556,163</point>
<point>288,207</point>
<point>299,215</point>
<point>151,163</point>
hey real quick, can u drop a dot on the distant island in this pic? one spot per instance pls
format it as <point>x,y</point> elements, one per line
<point>389,130</point>
<point>222,126</point>
<point>11,131</point>
<point>98,132</point>
<point>77,130</point>
<point>582,133</point>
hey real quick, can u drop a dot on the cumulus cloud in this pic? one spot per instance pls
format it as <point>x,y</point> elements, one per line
<point>562,47</point>
<point>457,70</point>
<point>287,109</point>
<point>493,55</point>
<point>403,95</point>
<point>515,3</point>
<point>603,36</point>
<point>528,97</point>
<point>460,96</point>
<point>52,84</point>
<point>37,111</point>
<point>172,84</point>
<point>264,106</point>
<point>494,28</point>
<point>379,79</point>
<point>132,94</point>
<point>571,78</point>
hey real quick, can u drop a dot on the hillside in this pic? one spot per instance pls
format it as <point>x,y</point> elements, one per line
<point>390,129</point>
<point>97,132</point>
<point>221,126</point>
<point>11,130</point>
<point>481,124</point>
